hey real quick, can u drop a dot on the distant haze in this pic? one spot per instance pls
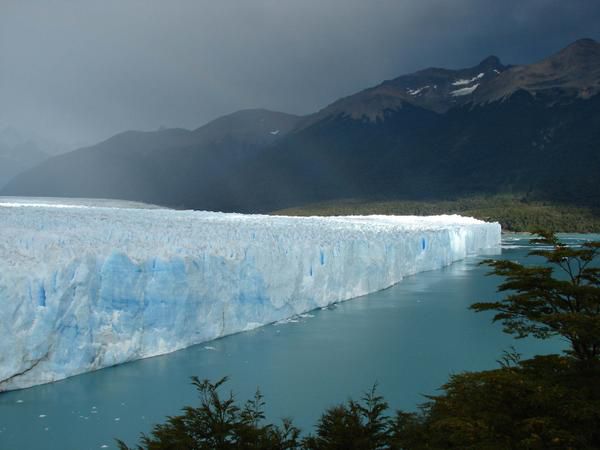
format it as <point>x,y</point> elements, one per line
<point>80,71</point>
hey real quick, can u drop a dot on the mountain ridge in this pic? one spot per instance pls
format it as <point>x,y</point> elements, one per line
<point>574,70</point>
<point>435,133</point>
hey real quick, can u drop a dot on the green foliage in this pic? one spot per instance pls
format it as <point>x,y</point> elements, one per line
<point>514,213</point>
<point>543,403</point>
<point>219,423</point>
<point>543,303</point>
<point>354,425</point>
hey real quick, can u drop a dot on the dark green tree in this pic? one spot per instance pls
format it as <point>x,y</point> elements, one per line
<point>559,298</point>
<point>219,424</point>
<point>546,402</point>
<point>354,425</point>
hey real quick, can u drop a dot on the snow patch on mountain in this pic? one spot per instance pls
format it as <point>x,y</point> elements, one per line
<point>463,82</point>
<point>464,91</point>
<point>416,91</point>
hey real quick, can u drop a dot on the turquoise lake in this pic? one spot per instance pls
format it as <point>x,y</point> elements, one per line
<point>408,339</point>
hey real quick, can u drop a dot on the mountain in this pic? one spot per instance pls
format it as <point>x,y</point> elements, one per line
<point>163,166</point>
<point>573,73</point>
<point>434,89</point>
<point>17,154</point>
<point>437,133</point>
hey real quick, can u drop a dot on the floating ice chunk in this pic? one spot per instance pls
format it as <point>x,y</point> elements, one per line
<point>286,321</point>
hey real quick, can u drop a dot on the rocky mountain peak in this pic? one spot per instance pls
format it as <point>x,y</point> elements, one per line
<point>582,52</point>
<point>490,63</point>
<point>585,44</point>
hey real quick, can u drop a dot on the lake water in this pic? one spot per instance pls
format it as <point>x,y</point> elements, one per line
<point>408,338</point>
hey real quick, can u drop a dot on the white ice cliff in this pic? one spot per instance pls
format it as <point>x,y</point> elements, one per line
<point>83,288</point>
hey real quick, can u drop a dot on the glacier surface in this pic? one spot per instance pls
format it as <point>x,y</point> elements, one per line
<point>83,288</point>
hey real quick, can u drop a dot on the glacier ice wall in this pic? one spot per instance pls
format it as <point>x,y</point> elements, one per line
<point>83,288</point>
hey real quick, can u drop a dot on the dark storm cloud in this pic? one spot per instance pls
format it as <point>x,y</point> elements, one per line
<point>83,70</point>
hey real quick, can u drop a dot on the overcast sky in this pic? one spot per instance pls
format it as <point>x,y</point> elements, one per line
<point>80,71</point>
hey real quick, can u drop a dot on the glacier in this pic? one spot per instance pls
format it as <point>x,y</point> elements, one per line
<point>86,287</point>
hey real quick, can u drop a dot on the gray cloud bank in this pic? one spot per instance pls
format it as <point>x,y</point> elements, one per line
<point>80,71</point>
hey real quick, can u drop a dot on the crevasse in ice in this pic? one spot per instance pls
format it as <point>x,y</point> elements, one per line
<point>83,288</point>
